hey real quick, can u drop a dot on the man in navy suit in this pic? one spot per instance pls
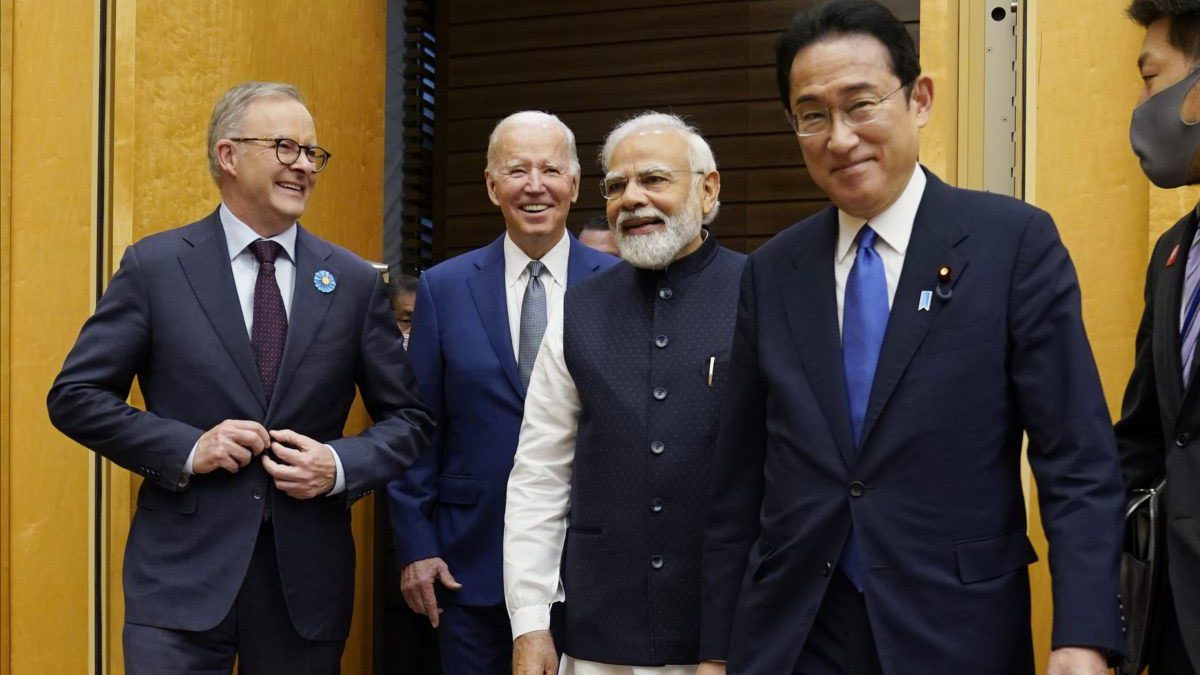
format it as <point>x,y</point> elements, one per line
<point>889,355</point>
<point>477,327</point>
<point>248,336</point>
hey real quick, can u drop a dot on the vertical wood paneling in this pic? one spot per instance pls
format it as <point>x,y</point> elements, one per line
<point>6,71</point>
<point>596,63</point>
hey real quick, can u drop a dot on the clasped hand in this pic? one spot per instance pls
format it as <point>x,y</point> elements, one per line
<point>305,467</point>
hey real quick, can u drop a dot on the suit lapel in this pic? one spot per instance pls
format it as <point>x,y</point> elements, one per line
<point>811,304</point>
<point>210,275</point>
<point>578,269</point>
<point>934,236</point>
<point>309,306</point>
<point>1168,299</point>
<point>487,290</point>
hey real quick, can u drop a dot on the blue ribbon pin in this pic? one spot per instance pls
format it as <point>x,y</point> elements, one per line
<point>324,281</point>
<point>925,302</point>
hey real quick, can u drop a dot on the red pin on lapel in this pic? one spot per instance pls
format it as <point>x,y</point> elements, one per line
<point>1174,254</point>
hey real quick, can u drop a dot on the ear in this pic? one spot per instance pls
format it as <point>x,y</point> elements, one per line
<point>574,188</point>
<point>710,190</point>
<point>1189,112</point>
<point>922,98</point>
<point>491,187</point>
<point>227,157</point>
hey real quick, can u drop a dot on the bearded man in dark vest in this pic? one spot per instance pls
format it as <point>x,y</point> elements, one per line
<point>609,491</point>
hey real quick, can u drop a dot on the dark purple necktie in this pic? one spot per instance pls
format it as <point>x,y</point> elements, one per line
<point>269,325</point>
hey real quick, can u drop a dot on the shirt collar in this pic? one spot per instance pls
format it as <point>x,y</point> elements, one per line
<point>555,260</point>
<point>894,226</point>
<point>238,235</point>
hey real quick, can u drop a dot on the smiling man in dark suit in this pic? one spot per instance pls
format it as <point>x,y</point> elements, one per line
<point>890,352</point>
<point>477,329</point>
<point>248,336</point>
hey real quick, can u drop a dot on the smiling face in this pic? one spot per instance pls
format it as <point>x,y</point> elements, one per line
<point>864,168</point>
<point>658,222</point>
<point>261,191</point>
<point>530,179</point>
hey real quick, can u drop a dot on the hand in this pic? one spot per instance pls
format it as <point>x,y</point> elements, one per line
<point>711,668</point>
<point>533,654</point>
<point>230,445</point>
<point>308,470</point>
<point>1076,661</point>
<point>416,583</point>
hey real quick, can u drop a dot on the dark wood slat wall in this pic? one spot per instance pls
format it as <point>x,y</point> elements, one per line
<point>596,62</point>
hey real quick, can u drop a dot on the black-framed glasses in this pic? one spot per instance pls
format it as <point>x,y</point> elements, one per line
<point>287,151</point>
<point>810,119</point>
<point>658,180</point>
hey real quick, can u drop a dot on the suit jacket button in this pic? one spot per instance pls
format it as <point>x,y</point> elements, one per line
<point>656,505</point>
<point>656,561</point>
<point>665,293</point>
<point>257,493</point>
<point>857,489</point>
<point>1183,439</point>
<point>661,341</point>
<point>660,393</point>
<point>657,447</point>
<point>826,569</point>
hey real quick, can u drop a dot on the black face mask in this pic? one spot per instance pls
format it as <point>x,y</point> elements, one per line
<point>1163,142</point>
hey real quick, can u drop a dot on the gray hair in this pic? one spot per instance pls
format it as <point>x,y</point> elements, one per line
<point>700,155</point>
<point>231,108</point>
<point>531,117</point>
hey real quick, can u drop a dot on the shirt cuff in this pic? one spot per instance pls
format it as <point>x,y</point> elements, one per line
<point>528,619</point>
<point>339,483</point>
<point>187,466</point>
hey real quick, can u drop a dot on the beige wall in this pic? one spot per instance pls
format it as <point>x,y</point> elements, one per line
<point>170,61</point>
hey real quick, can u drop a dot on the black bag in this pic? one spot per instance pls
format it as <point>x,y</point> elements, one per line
<point>1141,572</point>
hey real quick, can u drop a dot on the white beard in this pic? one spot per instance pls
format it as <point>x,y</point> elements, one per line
<point>656,250</point>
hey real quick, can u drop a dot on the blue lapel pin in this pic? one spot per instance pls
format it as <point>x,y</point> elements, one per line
<point>925,302</point>
<point>324,281</point>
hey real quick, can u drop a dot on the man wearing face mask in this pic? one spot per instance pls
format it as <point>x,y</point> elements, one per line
<point>1159,430</point>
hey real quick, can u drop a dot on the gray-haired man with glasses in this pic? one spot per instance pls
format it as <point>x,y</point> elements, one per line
<point>248,336</point>
<point>619,422</point>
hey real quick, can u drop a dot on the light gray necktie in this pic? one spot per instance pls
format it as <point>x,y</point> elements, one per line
<point>1189,325</point>
<point>533,321</point>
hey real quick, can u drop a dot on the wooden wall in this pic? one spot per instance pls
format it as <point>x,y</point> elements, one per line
<point>596,62</point>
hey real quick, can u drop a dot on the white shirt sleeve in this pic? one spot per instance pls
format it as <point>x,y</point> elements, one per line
<point>539,489</point>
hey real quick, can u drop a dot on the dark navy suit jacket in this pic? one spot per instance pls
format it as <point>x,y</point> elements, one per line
<point>934,490</point>
<point>451,503</point>
<point>171,317</point>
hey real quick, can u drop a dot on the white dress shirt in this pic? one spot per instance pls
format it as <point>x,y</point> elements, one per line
<point>539,499</point>
<point>894,227</point>
<point>238,237</point>
<point>516,278</point>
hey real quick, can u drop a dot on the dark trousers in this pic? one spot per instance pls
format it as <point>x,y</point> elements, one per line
<point>475,640</point>
<point>257,630</point>
<point>1168,651</point>
<point>841,641</point>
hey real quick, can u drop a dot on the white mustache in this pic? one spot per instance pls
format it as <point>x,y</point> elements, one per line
<point>644,212</point>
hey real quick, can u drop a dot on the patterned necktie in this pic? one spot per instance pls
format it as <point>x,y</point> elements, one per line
<point>268,331</point>
<point>1189,325</point>
<point>533,321</point>
<point>864,320</point>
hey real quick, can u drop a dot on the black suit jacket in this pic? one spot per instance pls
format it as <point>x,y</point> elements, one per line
<point>171,317</point>
<point>1159,430</point>
<point>934,490</point>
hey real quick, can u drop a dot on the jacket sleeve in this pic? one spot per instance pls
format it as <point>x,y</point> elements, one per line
<point>87,401</point>
<point>1071,446</point>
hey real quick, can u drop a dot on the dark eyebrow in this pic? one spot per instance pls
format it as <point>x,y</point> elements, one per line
<point>848,89</point>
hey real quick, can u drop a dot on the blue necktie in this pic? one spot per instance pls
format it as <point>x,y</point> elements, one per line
<point>1189,326</point>
<point>864,319</point>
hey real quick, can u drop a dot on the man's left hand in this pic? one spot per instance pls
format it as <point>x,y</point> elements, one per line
<point>1077,661</point>
<point>308,469</point>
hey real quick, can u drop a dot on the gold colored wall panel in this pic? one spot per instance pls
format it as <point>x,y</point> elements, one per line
<point>49,261</point>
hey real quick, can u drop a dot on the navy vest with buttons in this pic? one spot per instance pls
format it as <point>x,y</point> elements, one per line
<point>648,351</point>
